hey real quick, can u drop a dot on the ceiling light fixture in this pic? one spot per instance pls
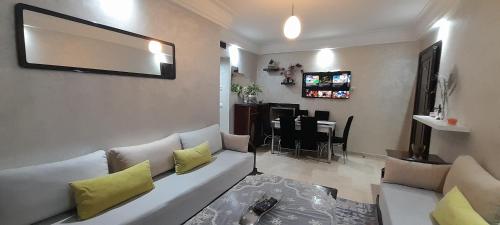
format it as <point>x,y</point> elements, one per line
<point>292,26</point>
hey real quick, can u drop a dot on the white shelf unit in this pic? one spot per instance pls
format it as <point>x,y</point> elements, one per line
<point>440,124</point>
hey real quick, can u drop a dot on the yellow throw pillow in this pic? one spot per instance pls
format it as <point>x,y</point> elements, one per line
<point>188,159</point>
<point>454,209</point>
<point>93,196</point>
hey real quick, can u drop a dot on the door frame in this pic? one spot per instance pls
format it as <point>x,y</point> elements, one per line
<point>436,49</point>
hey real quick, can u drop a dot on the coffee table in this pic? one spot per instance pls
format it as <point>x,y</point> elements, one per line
<point>301,204</point>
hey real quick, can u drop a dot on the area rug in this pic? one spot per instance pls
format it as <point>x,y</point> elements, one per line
<point>355,213</point>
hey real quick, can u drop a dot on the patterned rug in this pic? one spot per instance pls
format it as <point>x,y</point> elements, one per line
<point>354,213</point>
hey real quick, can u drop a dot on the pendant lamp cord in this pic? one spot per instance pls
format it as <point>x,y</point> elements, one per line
<point>292,8</point>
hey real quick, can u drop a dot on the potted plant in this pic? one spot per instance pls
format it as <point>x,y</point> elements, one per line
<point>250,93</point>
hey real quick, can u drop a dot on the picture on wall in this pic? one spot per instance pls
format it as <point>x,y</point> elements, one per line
<point>329,85</point>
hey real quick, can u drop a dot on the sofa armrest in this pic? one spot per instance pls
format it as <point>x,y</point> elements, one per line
<point>414,174</point>
<point>235,142</point>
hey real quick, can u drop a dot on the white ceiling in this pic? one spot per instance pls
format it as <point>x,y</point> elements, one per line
<point>258,24</point>
<point>261,21</point>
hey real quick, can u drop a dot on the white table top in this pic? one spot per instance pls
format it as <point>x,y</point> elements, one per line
<point>320,122</point>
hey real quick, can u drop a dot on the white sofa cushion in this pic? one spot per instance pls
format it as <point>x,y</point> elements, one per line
<point>403,205</point>
<point>33,193</point>
<point>176,198</point>
<point>414,174</point>
<point>159,153</point>
<point>480,188</point>
<point>235,142</point>
<point>194,138</point>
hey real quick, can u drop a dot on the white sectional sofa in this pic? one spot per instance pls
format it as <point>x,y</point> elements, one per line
<point>412,191</point>
<point>174,199</point>
<point>403,205</point>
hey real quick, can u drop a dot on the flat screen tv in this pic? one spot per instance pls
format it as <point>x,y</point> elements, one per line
<point>330,85</point>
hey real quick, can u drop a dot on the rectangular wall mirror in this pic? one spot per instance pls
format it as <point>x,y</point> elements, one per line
<point>51,40</point>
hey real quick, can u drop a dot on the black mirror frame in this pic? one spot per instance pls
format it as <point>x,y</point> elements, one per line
<point>21,49</point>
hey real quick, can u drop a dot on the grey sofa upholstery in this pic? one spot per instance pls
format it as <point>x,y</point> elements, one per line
<point>403,205</point>
<point>175,198</point>
<point>41,192</point>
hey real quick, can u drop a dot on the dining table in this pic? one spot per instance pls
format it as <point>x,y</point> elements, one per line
<point>323,126</point>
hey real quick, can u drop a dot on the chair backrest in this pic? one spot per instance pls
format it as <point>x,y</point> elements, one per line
<point>303,113</point>
<point>308,133</point>
<point>322,115</point>
<point>346,132</point>
<point>287,132</point>
<point>277,112</point>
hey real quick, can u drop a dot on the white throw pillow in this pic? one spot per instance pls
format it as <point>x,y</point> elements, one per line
<point>160,154</point>
<point>194,138</point>
<point>34,193</point>
<point>235,142</point>
<point>480,188</point>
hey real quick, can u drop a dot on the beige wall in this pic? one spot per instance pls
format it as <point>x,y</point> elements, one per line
<point>49,115</point>
<point>247,66</point>
<point>383,77</point>
<point>472,51</point>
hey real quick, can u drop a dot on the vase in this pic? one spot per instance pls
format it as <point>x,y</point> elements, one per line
<point>418,152</point>
<point>250,99</point>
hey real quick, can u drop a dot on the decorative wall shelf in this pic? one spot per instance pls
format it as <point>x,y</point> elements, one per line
<point>272,69</point>
<point>440,124</point>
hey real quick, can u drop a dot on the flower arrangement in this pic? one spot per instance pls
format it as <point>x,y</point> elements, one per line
<point>288,73</point>
<point>446,87</point>
<point>248,93</point>
<point>252,89</point>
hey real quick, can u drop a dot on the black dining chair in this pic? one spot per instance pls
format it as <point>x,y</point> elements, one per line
<point>288,135</point>
<point>277,114</point>
<point>308,138</point>
<point>342,141</point>
<point>322,115</point>
<point>303,112</point>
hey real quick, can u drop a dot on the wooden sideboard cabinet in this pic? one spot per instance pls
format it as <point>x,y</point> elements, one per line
<point>253,120</point>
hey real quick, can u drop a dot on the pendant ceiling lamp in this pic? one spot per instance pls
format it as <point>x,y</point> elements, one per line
<point>292,26</point>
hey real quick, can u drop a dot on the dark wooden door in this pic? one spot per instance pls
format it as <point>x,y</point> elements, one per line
<point>425,95</point>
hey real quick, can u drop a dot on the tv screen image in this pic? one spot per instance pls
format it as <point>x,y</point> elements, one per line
<point>312,80</point>
<point>340,79</point>
<point>325,81</point>
<point>332,85</point>
<point>341,94</point>
<point>324,94</point>
<point>311,93</point>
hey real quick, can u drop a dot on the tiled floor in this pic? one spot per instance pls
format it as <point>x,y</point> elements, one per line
<point>356,180</point>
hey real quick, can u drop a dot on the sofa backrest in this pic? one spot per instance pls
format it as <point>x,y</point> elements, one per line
<point>211,134</point>
<point>160,154</point>
<point>480,188</point>
<point>34,193</point>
